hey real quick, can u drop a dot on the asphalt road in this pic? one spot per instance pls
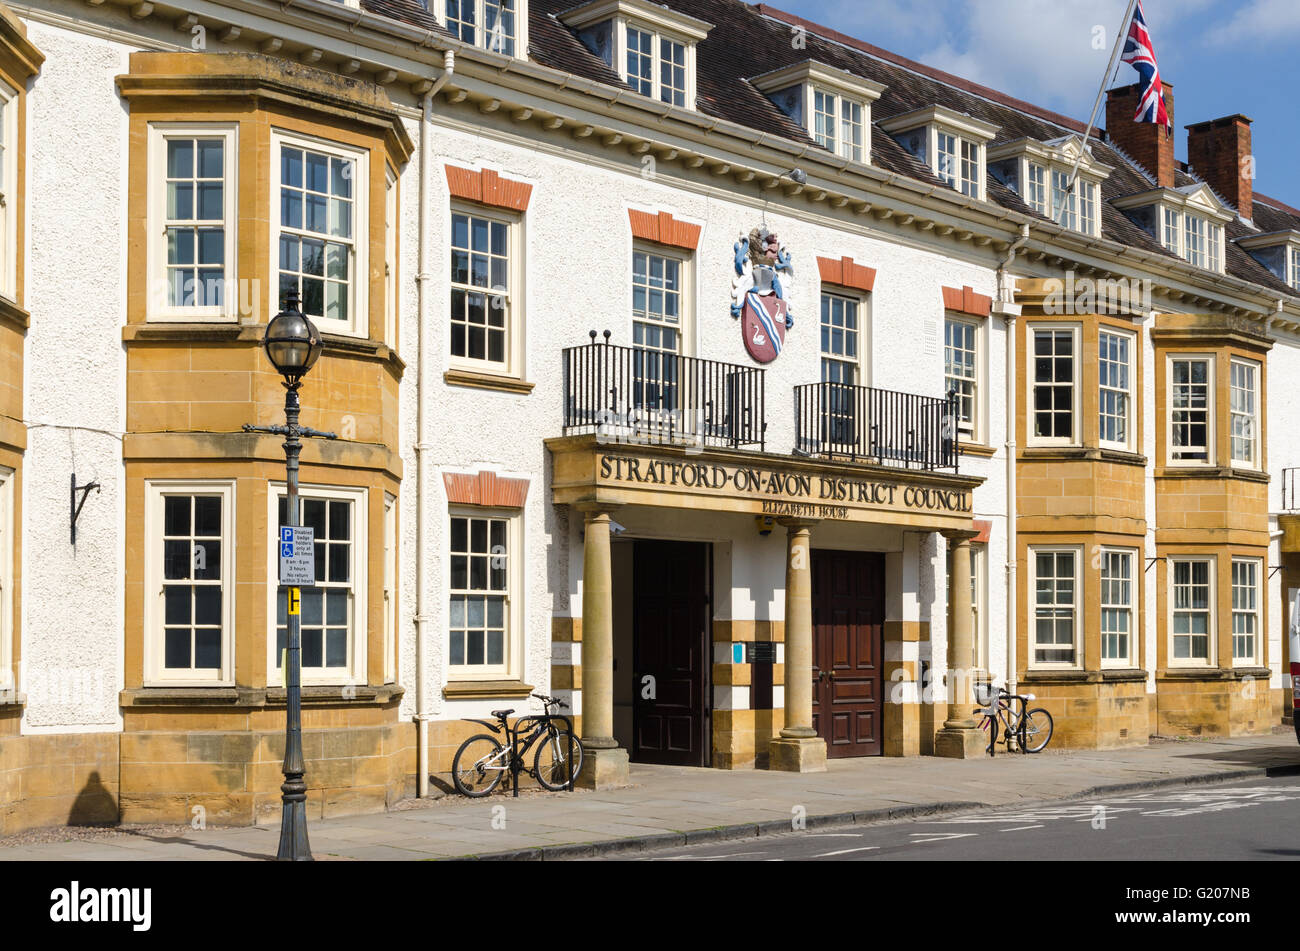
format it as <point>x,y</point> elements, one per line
<point>1244,821</point>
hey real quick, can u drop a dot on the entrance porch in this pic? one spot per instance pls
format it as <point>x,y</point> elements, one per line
<point>742,609</point>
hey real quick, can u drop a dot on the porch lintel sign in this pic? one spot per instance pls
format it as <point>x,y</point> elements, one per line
<point>791,494</point>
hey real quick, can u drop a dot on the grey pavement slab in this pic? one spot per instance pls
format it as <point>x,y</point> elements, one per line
<point>664,800</point>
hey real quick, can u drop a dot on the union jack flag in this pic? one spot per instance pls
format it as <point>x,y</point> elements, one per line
<point>1141,55</point>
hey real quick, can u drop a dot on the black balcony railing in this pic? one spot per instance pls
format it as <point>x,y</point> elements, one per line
<point>880,426</point>
<point>634,395</point>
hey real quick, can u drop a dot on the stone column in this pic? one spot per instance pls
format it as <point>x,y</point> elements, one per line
<point>798,749</point>
<point>604,764</point>
<point>961,736</point>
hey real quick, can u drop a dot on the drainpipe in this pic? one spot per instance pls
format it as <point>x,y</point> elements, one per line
<point>1007,307</point>
<point>422,444</point>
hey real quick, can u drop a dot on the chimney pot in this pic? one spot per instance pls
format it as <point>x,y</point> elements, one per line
<point>1219,150</point>
<point>1148,143</point>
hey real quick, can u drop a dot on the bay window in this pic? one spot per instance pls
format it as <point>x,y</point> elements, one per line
<point>1246,601</point>
<point>1118,588</point>
<point>1191,410</point>
<point>7,542</point>
<point>333,618</point>
<point>192,208</point>
<point>1053,376</point>
<point>1243,411</point>
<point>1191,611</point>
<point>189,583</point>
<point>319,216</point>
<point>1055,607</point>
<point>9,104</point>
<point>1115,388</point>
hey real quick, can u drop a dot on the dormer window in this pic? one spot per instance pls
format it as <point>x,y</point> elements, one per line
<point>499,26</point>
<point>951,143</point>
<point>651,47</point>
<point>1279,251</point>
<point>1187,221</point>
<point>833,105</point>
<point>1040,173</point>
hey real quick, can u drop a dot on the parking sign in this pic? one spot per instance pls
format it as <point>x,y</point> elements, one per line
<point>297,556</point>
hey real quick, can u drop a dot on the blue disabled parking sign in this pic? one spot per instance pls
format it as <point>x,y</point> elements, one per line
<point>297,556</point>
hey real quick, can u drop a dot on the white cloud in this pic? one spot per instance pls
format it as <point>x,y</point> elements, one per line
<point>1050,52</point>
<point>1259,21</point>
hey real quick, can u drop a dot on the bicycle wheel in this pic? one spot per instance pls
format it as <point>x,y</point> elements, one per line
<point>480,765</point>
<point>1036,730</point>
<point>552,755</point>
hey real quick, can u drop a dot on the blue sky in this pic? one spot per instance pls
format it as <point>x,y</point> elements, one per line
<point>1221,57</point>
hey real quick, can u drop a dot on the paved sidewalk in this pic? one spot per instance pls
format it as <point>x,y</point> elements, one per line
<point>673,806</point>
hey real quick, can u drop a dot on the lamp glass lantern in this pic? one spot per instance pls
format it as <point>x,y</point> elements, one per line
<point>292,341</point>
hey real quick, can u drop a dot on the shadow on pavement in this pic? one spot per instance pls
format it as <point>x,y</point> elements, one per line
<point>1282,759</point>
<point>182,840</point>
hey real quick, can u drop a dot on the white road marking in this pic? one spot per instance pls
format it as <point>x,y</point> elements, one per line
<point>865,848</point>
<point>940,836</point>
<point>1021,828</point>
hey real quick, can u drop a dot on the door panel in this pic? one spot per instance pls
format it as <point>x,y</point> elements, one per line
<point>670,643</point>
<point>848,602</point>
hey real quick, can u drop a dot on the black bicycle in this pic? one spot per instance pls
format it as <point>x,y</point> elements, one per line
<point>1023,730</point>
<point>483,761</point>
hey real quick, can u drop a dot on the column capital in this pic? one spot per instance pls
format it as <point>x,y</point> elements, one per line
<point>596,509</point>
<point>797,522</point>
<point>959,535</point>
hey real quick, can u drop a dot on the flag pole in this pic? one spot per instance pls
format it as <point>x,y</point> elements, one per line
<point>1096,106</point>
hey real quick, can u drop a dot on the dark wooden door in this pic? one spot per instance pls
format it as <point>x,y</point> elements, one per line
<point>670,597</point>
<point>848,605</point>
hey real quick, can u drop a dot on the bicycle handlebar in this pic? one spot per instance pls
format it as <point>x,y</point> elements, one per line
<point>551,700</point>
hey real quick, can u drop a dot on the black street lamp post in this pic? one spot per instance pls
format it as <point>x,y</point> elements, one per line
<point>293,345</point>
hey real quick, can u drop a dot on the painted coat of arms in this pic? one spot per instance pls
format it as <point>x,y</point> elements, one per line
<point>758,297</point>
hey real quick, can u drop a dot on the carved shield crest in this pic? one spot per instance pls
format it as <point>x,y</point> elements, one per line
<point>759,294</point>
<point>763,324</point>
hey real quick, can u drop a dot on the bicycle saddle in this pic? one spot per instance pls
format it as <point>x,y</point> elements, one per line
<point>502,714</point>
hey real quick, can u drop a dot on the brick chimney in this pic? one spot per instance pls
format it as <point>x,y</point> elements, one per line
<point>1148,143</point>
<point>1218,151</point>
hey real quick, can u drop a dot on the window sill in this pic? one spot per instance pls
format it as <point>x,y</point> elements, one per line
<point>12,698</point>
<point>487,381</point>
<point>1093,453</point>
<point>484,689</point>
<point>976,449</point>
<point>1194,673</point>
<point>1122,675</point>
<point>1111,675</point>
<point>214,331</point>
<point>1059,677</point>
<point>11,315</point>
<point>1211,472</point>
<point>244,697</point>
